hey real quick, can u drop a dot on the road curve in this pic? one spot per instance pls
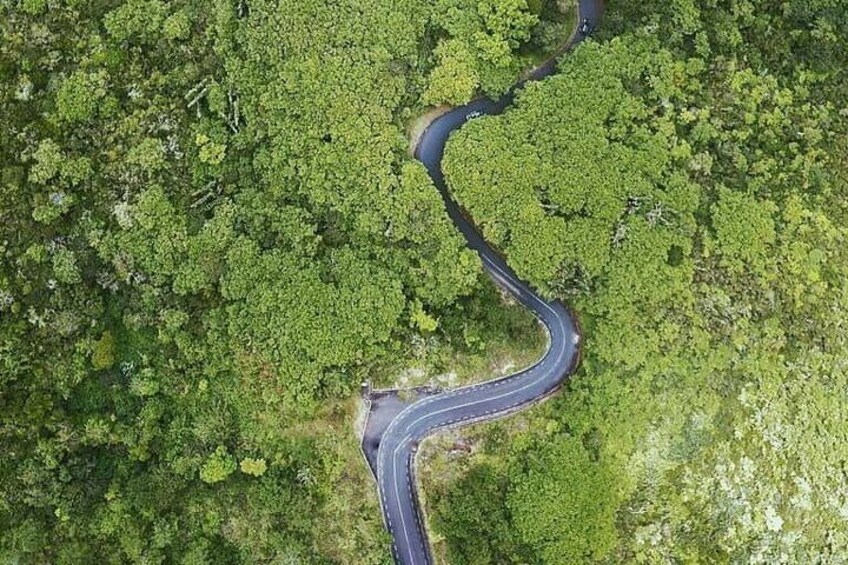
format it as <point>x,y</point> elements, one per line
<point>396,453</point>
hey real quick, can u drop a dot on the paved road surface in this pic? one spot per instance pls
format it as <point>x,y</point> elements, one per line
<point>395,450</point>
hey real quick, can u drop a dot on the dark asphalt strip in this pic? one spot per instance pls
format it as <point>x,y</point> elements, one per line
<point>398,443</point>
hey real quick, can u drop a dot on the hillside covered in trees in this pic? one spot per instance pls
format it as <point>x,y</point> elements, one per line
<point>683,184</point>
<point>211,233</point>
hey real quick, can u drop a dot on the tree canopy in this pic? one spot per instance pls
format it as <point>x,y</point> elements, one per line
<point>210,233</point>
<point>681,182</point>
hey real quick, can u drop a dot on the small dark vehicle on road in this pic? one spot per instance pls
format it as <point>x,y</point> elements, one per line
<point>586,27</point>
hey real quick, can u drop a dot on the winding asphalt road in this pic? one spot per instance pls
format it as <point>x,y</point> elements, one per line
<point>399,442</point>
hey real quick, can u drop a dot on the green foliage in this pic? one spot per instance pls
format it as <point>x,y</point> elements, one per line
<point>211,232</point>
<point>48,158</point>
<point>211,152</point>
<point>474,516</point>
<point>422,320</point>
<point>177,25</point>
<point>34,7</point>
<point>218,466</point>
<point>65,267</point>
<point>506,22</point>
<point>103,355</point>
<point>147,156</point>
<point>79,96</point>
<point>682,185</point>
<point>744,230</point>
<point>254,467</point>
<point>481,48</point>
<point>136,19</point>
<point>566,507</point>
<point>226,187</point>
<point>548,213</point>
<point>455,78</point>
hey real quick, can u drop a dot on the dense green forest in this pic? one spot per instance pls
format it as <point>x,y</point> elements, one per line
<point>683,183</point>
<point>210,233</point>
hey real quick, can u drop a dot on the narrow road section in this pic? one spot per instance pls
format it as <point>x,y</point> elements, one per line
<point>390,449</point>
